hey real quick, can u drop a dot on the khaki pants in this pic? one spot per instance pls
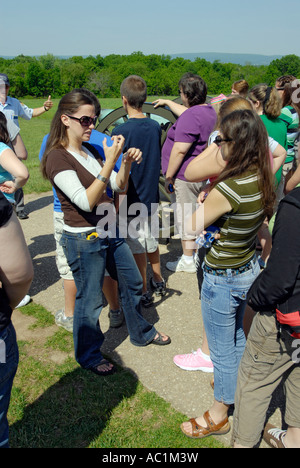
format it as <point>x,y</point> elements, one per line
<point>268,359</point>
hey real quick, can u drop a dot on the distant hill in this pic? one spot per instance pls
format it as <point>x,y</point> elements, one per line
<point>240,59</point>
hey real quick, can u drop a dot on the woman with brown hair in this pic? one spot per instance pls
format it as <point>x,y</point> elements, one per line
<point>90,238</point>
<point>267,104</point>
<point>240,199</point>
<point>240,87</point>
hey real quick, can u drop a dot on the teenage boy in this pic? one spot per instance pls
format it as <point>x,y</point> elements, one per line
<point>143,133</point>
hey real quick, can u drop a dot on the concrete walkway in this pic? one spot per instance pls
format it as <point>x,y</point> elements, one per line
<point>178,314</point>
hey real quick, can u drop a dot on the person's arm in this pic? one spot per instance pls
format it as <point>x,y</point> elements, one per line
<point>215,206</point>
<point>20,148</point>
<point>207,164</point>
<point>86,199</point>
<point>279,156</point>
<point>177,155</point>
<point>293,180</point>
<point>45,107</point>
<point>176,108</point>
<point>16,269</point>
<point>131,156</point>
<point>277,280</point>
<point>10,162</point>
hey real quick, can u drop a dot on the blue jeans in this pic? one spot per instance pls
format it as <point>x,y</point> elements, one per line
<point>9,359</point>
<point>223,302</point>
<point>88,260</point>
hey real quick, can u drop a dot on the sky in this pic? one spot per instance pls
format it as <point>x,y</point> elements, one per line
<point>73,27</point>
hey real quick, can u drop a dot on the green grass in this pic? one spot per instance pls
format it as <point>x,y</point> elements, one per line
<point>60,405</point>
<point>54,402</point>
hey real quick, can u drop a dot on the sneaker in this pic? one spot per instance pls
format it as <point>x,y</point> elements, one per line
<point>62,321</point>
<point>159,288</point>
<point>146,300</point>
<point>182,265</point>
<point>116,318</point>
<point>194,361</point>
<point>22,215</point>
<point>24,301</point>
<point>274,436</point>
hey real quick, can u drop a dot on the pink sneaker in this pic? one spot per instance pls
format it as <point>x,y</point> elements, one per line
<point>194,361</point>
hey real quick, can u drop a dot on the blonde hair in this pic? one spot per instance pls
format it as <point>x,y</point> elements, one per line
<point>232,104</point>
<point>269,99</point>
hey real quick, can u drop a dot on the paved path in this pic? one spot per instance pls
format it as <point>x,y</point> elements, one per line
<point>177,314</point>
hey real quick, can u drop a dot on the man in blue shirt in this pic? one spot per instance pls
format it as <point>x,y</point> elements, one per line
<point>13,109</point>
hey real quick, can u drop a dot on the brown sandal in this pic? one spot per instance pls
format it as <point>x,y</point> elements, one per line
<point>199,432</point>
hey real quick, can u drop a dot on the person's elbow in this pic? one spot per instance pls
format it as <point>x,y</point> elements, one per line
<point>189,173</point>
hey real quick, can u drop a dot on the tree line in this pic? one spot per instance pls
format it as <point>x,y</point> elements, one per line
<point>48,74</point>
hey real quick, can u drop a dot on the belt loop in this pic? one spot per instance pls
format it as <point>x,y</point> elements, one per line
<point>229,273</point>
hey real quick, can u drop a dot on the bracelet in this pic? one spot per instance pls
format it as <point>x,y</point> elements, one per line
<point>46,109</point>
<point>102,178</point>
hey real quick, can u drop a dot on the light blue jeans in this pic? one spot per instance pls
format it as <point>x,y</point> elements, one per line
<point>223,302</point>
<point>88,260</point>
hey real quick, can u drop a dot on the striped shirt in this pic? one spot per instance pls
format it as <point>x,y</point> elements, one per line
<point>239,227</point>
<point>290,117</point>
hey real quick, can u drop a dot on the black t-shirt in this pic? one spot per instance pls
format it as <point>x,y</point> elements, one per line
<point>5,309</point>
<point>144,134</point>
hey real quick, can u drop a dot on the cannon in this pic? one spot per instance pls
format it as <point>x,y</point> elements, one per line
<point>166,119</point>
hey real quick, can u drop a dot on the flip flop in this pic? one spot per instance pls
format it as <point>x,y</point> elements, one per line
<point>160,341</point>
<point>102,373</point>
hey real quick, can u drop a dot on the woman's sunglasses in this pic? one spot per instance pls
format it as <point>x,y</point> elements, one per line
<point>218,140</point>
<point>85,121</point>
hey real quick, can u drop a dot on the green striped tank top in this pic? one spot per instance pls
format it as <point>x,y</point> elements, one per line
<point>239,227</point>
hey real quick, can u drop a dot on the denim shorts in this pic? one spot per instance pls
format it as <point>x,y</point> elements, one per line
<point>144,240</point>
<point>223,302</point>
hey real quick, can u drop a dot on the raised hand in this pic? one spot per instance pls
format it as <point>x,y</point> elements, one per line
<point>48,104</point>
<point>133,155</point>
<point>112,153</point>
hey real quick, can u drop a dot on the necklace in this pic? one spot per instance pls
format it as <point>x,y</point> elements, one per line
<point>134,115</point>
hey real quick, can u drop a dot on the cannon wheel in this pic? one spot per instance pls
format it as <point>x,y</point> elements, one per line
<point>118,116</point>
<point>112,119</point>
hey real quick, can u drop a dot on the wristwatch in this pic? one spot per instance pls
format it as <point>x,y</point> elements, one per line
<point>102,178</point>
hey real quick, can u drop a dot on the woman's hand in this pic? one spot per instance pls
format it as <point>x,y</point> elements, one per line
<point>133,155</point>
<point>112,153</point>
<point>169,182</point>
<point>8,187</point>
<point>160,103</point>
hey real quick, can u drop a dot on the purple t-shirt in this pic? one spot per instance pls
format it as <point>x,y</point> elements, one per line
<point>193,126</point>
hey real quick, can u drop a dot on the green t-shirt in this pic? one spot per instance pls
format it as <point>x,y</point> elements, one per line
<point>277,130</point>
<point>239,227</point>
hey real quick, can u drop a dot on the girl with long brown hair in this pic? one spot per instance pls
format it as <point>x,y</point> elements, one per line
<point>90,239</point>
<point>240,199</point>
